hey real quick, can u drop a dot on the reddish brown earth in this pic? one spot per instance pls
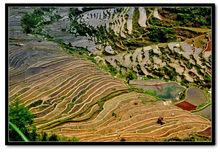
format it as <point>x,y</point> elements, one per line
<point>208,46</point>
<point>207,132</point>
<point>186,106</point>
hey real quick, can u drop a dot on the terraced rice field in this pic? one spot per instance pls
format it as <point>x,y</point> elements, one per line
<point>71,96</point>
<point>196,96</point>
<point>77,99</point>
<point>133,122</point>
<point>207,112</point>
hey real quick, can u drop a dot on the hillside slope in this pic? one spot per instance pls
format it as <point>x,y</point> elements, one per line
<point>71,96</point>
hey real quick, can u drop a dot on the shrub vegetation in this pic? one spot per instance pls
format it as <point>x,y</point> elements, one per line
<point>161,34</point>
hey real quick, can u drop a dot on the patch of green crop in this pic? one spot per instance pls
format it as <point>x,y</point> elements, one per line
<point>147,92</point>
<point>202,106</point>
<point>151,92</point>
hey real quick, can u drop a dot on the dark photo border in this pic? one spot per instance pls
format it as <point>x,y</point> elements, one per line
<point>213,142</point>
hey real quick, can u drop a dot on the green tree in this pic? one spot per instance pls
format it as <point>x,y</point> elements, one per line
<point>32,20</point>
<point>21,118</point>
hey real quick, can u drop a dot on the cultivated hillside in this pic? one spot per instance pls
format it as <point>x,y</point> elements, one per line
<point>105,74</point>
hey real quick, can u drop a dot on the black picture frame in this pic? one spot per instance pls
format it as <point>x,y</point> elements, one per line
<point>213,140</point>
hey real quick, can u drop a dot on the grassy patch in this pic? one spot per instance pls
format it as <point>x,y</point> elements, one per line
<point>147,92</point>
